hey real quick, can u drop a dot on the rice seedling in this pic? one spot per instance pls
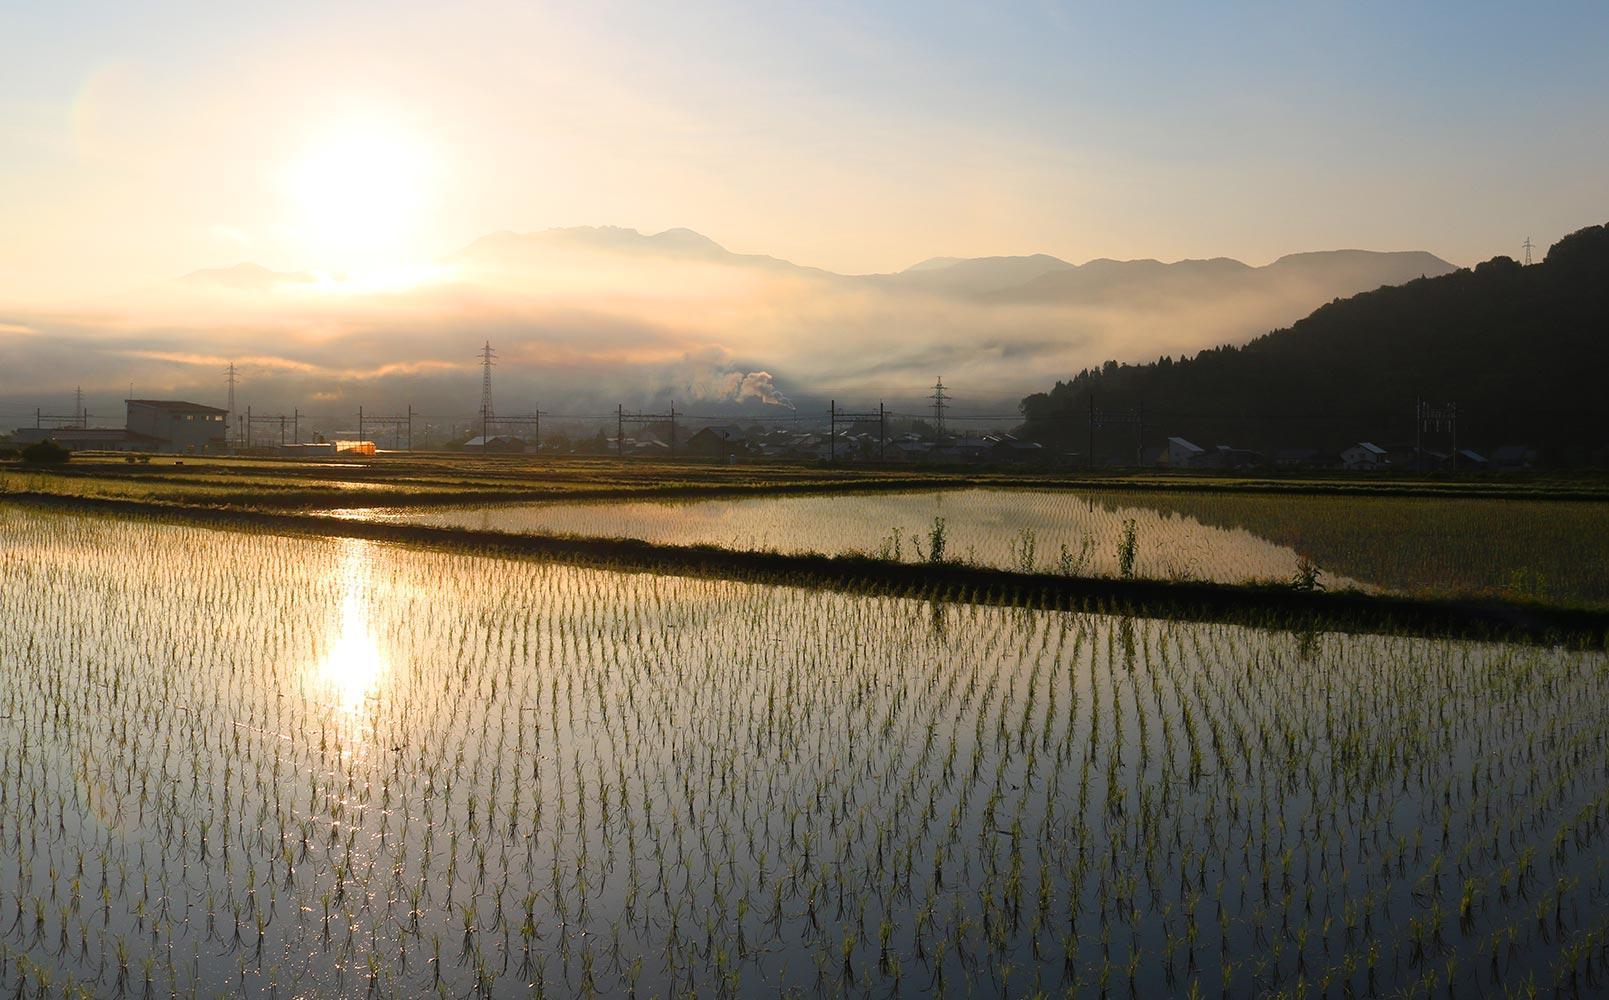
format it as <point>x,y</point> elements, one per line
<point>327,767</point>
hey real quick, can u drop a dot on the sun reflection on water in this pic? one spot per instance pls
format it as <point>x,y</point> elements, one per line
<point>354,668</point>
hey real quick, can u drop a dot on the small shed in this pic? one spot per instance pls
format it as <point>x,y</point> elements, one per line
<point>1364,456</point>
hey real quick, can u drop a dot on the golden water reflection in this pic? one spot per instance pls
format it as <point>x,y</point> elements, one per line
<point>354,668</point>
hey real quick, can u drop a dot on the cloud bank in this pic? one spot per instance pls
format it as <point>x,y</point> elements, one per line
<point>585,319</point>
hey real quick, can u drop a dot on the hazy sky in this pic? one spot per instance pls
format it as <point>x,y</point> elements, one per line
<point>141,141</point>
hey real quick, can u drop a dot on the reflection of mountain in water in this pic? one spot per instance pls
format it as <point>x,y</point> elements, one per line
<point>1512,548</point>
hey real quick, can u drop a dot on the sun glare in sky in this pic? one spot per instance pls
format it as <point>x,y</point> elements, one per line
<point>359,196</point>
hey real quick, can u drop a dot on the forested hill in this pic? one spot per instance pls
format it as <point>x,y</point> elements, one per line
<point>1522,351</point>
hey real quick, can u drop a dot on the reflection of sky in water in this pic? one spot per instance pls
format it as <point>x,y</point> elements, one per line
<point>353,668</point>
<point>982,526</point>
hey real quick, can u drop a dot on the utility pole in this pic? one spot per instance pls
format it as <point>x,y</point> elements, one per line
<point>248,428</point>
<point>410,427</point>
<point>78,406</point>
<point>230,377</point>
<point>620,431</point>
<point>360,422</point>
<point>1139,434</point>
<point>296,425</point>
<point>1437,417</point>
<point>1418,432</point>
<point>1089,453</point>
<point>832,429</point>
<point>673,428</point>
<point>882,429</point>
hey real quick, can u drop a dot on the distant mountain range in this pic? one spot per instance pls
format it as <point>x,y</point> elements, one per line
<point>1038,278</point>
<point>1520,350</point>
<point>1033,279</point>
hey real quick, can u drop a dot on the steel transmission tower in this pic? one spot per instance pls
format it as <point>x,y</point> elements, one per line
<point>940,402</point>
<point>486,360</point>
<point>1529,246</point>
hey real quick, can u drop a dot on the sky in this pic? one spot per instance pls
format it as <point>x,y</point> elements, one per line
<point>140,142</point>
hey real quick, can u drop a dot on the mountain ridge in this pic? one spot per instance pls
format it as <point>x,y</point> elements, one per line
<point>1036,276</point>
<point>1518,349</point>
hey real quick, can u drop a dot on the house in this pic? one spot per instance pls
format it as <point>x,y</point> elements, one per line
<point>1182,454</point>
<point>1227,457</point>
<point>88,438</point>
<point>1468,459</point>
<point>718,442</point>
<point>178,426</point>
<point>908,448</point>
<point>1364,457</point>
<point>495,444</point>
<point>732,432</point>
<point>1009,450</point>
<point>1412,456</point>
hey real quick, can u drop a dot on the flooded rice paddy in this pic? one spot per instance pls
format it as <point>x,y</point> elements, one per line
<point>1435,547</point>
<point>240,762</point>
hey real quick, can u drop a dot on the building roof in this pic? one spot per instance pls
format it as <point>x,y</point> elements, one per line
<point>727,434</point>
<point>1182,443</point>
<point>174,405</point>
<point>1372,449</point>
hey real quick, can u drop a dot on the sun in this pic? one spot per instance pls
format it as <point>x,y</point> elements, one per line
<point>358,195</point>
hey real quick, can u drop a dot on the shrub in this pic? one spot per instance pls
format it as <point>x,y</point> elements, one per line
<point>1307,574</point>
<point>1126,549</point>
<point>46,452</point>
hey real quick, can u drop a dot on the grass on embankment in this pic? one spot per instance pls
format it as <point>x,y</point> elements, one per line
<point>414,479</point>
